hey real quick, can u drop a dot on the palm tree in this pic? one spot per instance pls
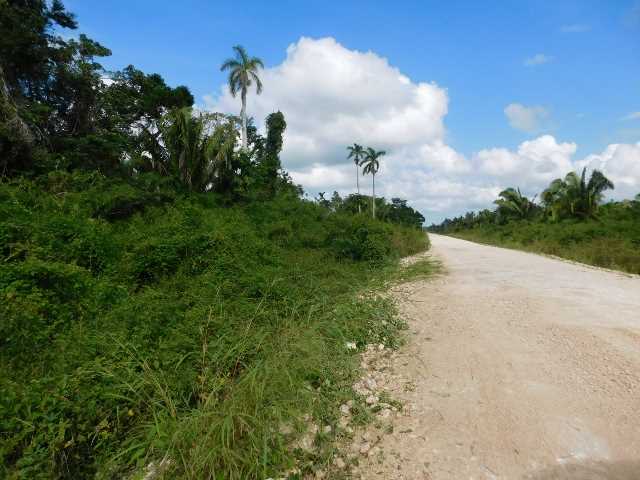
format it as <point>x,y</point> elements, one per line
<point>243,71</point>
<point>200,160</point>
<point>356,152</point>
<point>575,196</point>
<point>371,164</point>
<point>513,203</point>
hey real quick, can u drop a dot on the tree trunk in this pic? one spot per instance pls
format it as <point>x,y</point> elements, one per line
<point>9,114</point>
<point>358,185</point>
<point>373,197</point>
<point>243,115</point>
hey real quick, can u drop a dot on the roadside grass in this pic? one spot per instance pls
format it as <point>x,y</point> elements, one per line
<point>141,325</point>
<point>611,242</point>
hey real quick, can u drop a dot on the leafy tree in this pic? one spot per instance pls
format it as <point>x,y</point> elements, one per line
<point>243,72</point>
<point>575,196</point>
<point>513,204</point>
<point>356,153</point>
<point>134,104</point>
<point>30,54</point>
<point>399,212</point>
<point>372,165</point>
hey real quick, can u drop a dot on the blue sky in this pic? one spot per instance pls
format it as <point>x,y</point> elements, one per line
<point>586,79</point>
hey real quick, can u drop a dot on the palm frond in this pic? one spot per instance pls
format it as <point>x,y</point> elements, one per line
<point>230,64</point>
<point>258,82</point>
<point>241,54</point>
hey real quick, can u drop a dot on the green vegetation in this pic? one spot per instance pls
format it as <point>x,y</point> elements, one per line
<point>166,295</point>
<point>140,322</point>
<point>371,164</point>
<point>570,223</point>
<point>370,160</point>
<point>243,72</point>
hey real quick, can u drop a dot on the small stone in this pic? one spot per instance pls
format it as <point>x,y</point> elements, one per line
<point>339,463</point>
<point>384,413</point>
<point>372,400</point>
<point>364,448</point>
<point>345,409</point>
<point>327,429</point>
<point>286,430</point>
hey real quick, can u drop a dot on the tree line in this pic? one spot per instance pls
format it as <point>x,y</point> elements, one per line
<point>576,196</point>
<point>61,110</point>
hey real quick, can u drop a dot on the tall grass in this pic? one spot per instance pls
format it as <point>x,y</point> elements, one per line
<point>140,324</point>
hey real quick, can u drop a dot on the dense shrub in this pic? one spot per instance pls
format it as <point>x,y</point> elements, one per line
<point>139,322</point>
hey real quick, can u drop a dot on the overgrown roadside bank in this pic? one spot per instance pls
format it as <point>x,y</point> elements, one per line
<point>141,323</point>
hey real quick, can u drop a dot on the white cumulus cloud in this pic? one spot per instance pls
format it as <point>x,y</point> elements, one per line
<point>332,96</point>
<point>536,162</point>
<point>537,59</point>
<point>632,116</point>
<point>621,164</point>
<point>527,119</point>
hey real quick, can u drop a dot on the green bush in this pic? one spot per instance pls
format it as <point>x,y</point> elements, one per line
<point>139,322</point>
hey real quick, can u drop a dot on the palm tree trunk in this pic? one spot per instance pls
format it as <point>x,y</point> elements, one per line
<point>373,197</point>
<point>243,115</point>
<point>358,186</point>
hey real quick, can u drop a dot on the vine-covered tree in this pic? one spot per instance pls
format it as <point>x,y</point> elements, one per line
<point>269,162</point>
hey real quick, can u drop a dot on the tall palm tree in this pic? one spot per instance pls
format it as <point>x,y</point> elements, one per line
<point>356,152</point>
<point>513,203</point>
<point>575,196</point>
<point>243,72</point>
<point>371,164</point>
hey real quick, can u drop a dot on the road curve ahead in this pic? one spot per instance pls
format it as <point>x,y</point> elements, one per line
<point>523,367</point>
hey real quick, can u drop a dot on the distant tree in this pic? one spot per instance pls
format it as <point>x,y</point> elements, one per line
<point>201,161</point>
<point>576,196</point>
<point>243,72</point>
<point>269,161</point>
<point>399,212</point>
<point>356,153</point>
<point>372,165</point>
<point>513,204</point>
<point>134,104</point>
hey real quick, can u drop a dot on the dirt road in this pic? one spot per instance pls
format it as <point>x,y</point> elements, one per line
<point>518,366</point>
